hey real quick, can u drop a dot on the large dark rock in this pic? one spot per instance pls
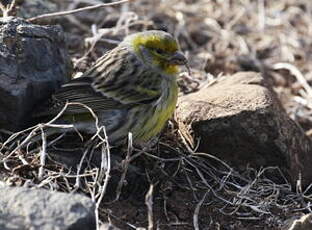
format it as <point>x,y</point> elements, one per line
<point>240,120</point>
<point>23,208</point>
<point>33,63</point>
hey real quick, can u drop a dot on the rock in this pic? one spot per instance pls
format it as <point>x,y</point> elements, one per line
<point>36,7</point>
<point>23,208</point>
<point>240,120</point>
<point>33,63</point>
<point>304,223</point>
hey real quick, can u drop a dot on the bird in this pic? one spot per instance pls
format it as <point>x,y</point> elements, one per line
<point>131,88</point>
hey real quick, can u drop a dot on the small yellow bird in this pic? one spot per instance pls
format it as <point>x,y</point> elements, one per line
<point>132,88</point>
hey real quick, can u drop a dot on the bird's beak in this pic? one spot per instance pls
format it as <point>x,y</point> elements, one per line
<point>178,59</point>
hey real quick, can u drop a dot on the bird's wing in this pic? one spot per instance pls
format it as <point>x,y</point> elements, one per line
<point>107,85</point>
<point>122,76</point>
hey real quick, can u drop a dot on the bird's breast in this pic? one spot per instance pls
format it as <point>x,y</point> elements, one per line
<point>162,110</point>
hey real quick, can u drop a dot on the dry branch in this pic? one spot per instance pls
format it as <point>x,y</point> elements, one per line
<point>68,12</point>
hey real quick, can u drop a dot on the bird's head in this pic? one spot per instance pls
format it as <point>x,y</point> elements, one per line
<point>157,49</point>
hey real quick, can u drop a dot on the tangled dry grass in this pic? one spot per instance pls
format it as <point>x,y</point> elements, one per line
<point>256,196</point>
<point>220,38</point>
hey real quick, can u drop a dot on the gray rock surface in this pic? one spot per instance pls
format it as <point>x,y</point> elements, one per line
<point>33,63</point>
<point>240,120</point>
<point>23,208</point>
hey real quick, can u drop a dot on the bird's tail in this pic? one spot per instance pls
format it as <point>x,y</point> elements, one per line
<point>46,134</point>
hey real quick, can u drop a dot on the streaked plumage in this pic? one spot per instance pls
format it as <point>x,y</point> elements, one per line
<point>132,88</point>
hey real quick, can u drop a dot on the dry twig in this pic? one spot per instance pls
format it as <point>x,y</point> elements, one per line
<point>63,13</point>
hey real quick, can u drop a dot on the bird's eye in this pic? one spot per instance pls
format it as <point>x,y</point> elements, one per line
<point>159,51</point>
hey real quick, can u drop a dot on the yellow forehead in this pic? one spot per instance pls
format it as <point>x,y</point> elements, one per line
<point>154,41</point>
